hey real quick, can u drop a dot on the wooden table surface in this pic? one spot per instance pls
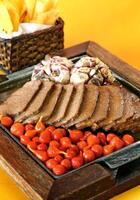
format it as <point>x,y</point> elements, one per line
<point>10,191</point>
<point>113,24</point>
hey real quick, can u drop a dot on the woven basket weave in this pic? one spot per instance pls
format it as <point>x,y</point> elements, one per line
<point>29,49</point>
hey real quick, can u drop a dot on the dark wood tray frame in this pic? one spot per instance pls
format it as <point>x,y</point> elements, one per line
<point>96,181</point>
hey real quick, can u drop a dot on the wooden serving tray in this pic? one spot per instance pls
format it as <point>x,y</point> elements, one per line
<point>97,181</point>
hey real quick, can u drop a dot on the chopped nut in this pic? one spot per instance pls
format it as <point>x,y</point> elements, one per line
<point>78,77</point>
<point>92,72</point>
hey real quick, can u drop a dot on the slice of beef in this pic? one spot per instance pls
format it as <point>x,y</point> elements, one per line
<point>134,121</point>
<point>74,105</point>
<point>48,106</point>
<point>19,100</point>
<point>101,109</point>
<point>136,105</point>
<point>61,105</point>
<point>132,125</point>
<point>37,102</point>
<point>88,105</point>
<point>128,109</point>
<point>116,105</point>
<point>136,130</point>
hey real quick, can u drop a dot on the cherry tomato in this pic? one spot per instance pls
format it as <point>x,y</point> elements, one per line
<point>54,143</point>
<point>58,158</point>
<point>31,133</point>
<point>77,161</point>
<point>51,163</point>
<point>128,139</point>
<point>108,149</point>
<point>32,146</point>
<point>86,148</point>
<point>24,139</point>
<point>53,151</point>
<point>97,149</point>
<point>117,143</point>
<point>110,136</point>
<point>17,129</point>
<point>40,126</point>
<point>82,144</point>
<point>58,133</point>
<point>36,139</point>
<point>50,128</point>
<point>6,121</point>
<point>66,163</point>
<point>86,134</point>
<point>62,148</point>
<point>59,170</point>
<point>70,154</point>
<point>102,137</point>
<point>29,127</point>
<point>92,139</point>
<point>88,155</point>
<point>65,142</point>
<point>42,147</point>
<point>75,135</point>
<point>45,136</point>
<point>74,148</point>
<point>42,155</point>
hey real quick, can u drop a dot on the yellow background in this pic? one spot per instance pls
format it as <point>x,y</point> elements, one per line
<point>115,24</point>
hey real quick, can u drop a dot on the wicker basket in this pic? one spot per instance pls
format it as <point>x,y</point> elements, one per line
<point>28,49</point>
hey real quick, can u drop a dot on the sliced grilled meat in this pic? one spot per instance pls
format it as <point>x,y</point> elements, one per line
<point>116,105</point>
<point>19,100</point>
<point>37,102</point>
<point>134,121</point>
<point>88,105</point>
<point>128,108</point>
<point>101,109</point>
<point>131,125</point>
<point>48,106</point>
<point>61,105</point>
<point>74,105</point>
<point>136,105</point>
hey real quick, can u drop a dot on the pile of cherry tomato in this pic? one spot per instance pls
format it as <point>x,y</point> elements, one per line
<point>62,150</point>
